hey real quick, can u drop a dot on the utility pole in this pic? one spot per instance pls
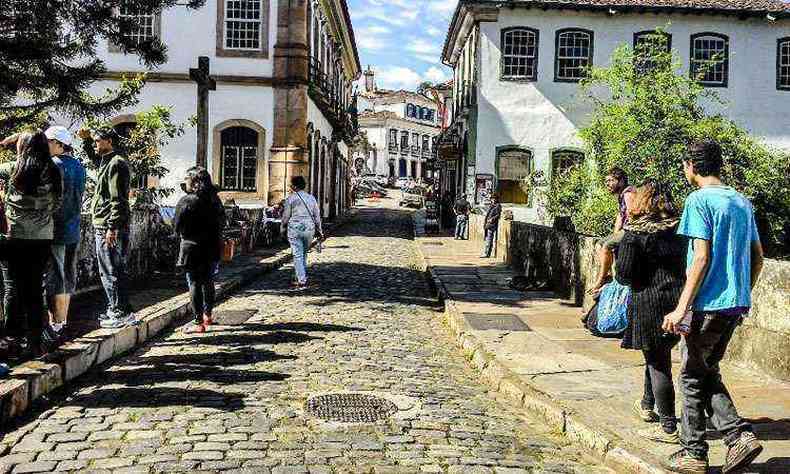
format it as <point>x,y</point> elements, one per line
<point>205,83</point>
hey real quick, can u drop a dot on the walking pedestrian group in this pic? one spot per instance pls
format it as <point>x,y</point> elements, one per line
<point>690,277</point>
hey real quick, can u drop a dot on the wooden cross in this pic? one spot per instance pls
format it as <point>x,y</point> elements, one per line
<point>205,83</point>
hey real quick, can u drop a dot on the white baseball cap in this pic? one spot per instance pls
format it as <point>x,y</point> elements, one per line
<point>59,133</point>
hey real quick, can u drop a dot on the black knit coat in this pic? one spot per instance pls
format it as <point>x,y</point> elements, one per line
<point>654,266</point>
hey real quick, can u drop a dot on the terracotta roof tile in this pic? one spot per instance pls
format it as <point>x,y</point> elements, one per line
<point>686,5</point>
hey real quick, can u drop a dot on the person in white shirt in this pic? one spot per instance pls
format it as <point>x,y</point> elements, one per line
<point>302,222</point>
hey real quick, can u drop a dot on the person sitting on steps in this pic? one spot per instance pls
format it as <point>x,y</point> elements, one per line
<point>617,183</point>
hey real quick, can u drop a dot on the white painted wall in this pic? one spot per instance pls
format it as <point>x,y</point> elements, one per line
<point>252,103</point>
<point>545,115</point>
<point>192,33</point>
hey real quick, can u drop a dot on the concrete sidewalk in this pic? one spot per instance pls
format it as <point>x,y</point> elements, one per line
<point>532,348</point>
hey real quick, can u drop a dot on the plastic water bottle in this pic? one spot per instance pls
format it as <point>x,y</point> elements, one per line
<point>684,327</point>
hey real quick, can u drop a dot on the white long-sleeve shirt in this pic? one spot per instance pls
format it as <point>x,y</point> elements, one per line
<point>296,211</point>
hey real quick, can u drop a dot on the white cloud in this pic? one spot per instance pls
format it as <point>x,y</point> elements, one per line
<point>434,74</point>
<point>420,46</point>
<point>434,31</point>
<point>372,38</point>
<point>429,58</point>
<point>443,7</point>
<point>397,77</point>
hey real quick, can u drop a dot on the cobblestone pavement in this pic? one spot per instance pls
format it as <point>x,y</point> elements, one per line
<point>234,399</point>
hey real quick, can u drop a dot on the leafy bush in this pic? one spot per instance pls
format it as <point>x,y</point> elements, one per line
<point>154,129</point>
<point>645,112</point>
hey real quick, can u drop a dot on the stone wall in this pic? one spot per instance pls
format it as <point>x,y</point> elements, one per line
<point>568,261</point>
<point>153,246</point>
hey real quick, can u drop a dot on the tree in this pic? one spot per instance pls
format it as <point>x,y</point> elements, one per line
<point>48,55</point>
<point>153,130</point>
<point>646,110</point>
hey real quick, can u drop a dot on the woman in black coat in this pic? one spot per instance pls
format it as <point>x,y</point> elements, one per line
<point>199,221</point>
<point>652,261</point>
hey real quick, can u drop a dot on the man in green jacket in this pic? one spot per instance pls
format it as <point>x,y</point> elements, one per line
<point>111,216</point>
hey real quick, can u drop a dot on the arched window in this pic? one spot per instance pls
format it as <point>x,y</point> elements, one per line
<point>239,159</point>
<point>710,59</point>
<point>563,160</point>
<point>411,110</point>
<point>783,64</point>
<point>519,54</point>
<point>573,54</point>
<point>426,146</point>
<point>514,166</point>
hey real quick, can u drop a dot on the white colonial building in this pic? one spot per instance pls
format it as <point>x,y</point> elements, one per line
<point>517,64</point>
<point>401,128</point>
<point>283,103</point>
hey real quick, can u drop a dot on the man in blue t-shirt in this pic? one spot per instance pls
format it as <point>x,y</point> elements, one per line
<point>724,261</point>
<point>62,275</point>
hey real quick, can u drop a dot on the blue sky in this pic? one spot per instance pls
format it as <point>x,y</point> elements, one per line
<point>402,39</point>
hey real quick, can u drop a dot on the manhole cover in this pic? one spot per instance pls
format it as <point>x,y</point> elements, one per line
<point>233,317</point>
<point>350,407</point>
<point>501,322</point>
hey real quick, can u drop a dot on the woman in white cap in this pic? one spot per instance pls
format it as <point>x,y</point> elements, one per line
<point>62,275</point>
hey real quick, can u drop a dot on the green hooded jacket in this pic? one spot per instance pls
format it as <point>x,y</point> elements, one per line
<point>110,203</point>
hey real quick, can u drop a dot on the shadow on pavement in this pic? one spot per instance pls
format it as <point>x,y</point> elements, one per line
<point>379,222</point>
<point>123,397</point>
<point>233,339</point>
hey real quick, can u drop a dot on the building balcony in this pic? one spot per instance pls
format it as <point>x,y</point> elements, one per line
<point>324,93</point>
<point>404,149</point>
<point>467,98</point>
<point>415,150</point>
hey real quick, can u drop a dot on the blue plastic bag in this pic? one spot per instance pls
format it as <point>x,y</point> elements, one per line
<point>613,308</point>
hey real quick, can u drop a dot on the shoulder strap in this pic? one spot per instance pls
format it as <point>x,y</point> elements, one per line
<point>315,223</point>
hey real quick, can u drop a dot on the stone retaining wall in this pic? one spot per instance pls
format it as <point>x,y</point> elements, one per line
<point>568,261</point>
<point>153,246</point>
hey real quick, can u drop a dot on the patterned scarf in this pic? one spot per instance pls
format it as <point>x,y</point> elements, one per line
<point>650,224</point>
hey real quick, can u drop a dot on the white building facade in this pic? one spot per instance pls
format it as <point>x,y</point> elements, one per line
<point>401,127</point>
<point>283,103</point>
<point>516,101</point>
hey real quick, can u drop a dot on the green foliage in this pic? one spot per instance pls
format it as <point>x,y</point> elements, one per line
<point>49,61</point>
<point>143,147</point>
<point>645,112</point>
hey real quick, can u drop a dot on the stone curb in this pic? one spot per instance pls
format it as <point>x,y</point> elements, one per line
<point>522,394</point>
<point>34,379</point>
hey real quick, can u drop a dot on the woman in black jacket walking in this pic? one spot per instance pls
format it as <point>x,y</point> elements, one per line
<point>199,220</point>
<point>652,261</point>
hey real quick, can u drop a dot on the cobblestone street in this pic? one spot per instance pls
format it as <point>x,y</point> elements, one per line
<point>234,398</point>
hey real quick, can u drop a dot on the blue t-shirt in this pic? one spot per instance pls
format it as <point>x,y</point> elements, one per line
<point>67,222</point>
<point>725,218</point>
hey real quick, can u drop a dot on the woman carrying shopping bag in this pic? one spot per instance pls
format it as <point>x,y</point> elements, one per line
<point>652,261</point>
<point>302,222</point>
<point>199,221</point>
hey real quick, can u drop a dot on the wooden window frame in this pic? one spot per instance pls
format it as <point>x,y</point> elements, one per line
<point>116,49</point>
<point>222,51</point>
<point>590,57</point>
<point>536,58</point>
<point>779,43</point>
<point>726,62</point>
<point>502,149</point>
<point>556,151</point>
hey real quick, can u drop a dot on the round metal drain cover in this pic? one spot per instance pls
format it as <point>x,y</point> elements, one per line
<point>350,407</point>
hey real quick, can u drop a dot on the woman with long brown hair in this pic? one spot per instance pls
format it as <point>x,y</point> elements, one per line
<point>652,261</point>
<point>34,190</point>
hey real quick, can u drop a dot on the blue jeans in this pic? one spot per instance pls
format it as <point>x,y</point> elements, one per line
<point>300,238</point>
<point>461,225</point>
<point>112,269</point>
<point>489,246</point>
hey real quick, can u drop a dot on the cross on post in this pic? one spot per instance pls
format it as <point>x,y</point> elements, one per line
<point>201,75</point>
